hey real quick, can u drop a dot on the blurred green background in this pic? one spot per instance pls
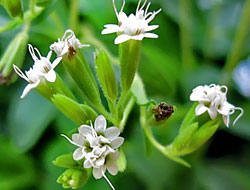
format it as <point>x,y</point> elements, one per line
<point>200,42</point>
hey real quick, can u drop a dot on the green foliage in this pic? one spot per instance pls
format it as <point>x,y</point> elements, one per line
<point>14,7</point>
<point>122,161</point>
<point>106,75</point>
<point>66,161</point>
<point>78,113</point>
<point>14,54</point>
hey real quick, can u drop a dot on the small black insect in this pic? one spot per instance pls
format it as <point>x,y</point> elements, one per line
<point>163,111</point>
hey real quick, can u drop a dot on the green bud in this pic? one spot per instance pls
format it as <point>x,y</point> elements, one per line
<point>73,178</point>
<point>203,134</point>
<point>81,73</point>
<point>121,162</point>
<point>66,161</point>
<point>78,113</point>
<point>130,52</point>
<point>184,137</point>
<point>13,7</point>
<point>106,75</point>
<point>14,54</point>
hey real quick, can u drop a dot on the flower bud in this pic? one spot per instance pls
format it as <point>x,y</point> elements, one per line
<point>78,113</point>
<point>73,178</point>
<point>14,54</point>
<point>13,7</point>
<point>130,52</point>
<point>106,75</point>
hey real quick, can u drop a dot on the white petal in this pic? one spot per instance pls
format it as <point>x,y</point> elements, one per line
<point>56,62</point>
<point>150,35</point>
<point>212,112</point>
<point>117,142</point>
<point>110,28</point>
<point>49,55</point>
<point>200,109</point>
<point>78,139</point>
<point>29,87</point>
<point>112,167</point>
<point>97,172</point>
<point>122,17</point>
<point>85,130</point>
<point>150,28</point>
<point>122,38</point>
<point>100,123</point>
<point>112,132</point>
<point>78,154</point>
<point>87,164</point>
<point>50,76</point>
<point>99,162</point>
<point>226,120</point>
<point>138,37</point>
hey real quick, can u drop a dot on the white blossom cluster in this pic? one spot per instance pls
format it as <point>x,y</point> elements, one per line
<point>42,68</point>
<point>134,27</point>
<point>98,146</point>
<point>213,99</point>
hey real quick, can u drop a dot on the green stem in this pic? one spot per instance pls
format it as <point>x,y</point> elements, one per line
<point>73,15</point>
<point>240,40</point>
<point>32,6</point>
<point>126,113</point>
<point>188,60</point>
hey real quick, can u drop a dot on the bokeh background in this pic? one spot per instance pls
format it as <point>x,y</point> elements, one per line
<point>200,42</point>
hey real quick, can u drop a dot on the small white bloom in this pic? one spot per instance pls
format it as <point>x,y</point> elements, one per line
<point>134,27</point>
<point>98,145</point>
<point>213,99</point>
<point>68,40</point>
<point>42,70</point>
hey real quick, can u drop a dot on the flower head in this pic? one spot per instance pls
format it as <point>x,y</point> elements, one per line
<point>42,70</point>
<point>67,44</point>
<point>134,27</point>
<point>98,145</point>
<point>213,99</point>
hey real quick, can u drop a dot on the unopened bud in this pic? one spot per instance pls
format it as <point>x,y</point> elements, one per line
<point>14,54</point>
<point>13,7</point>
<point>73,178</point>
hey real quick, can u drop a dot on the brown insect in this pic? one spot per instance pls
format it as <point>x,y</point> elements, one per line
<point>163,111</point>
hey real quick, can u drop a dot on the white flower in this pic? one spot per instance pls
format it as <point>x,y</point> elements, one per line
<point>98,145</point>
<point>134,27</point>
<point>42,70</point>
<point>68,40</point>
<point>213,99</point>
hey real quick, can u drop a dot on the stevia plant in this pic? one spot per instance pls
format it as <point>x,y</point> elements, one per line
<point>98,138</point>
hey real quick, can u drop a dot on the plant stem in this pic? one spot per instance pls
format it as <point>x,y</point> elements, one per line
<point>32,6</point>
<point>74,15</point>
<point>126,113</point>
<point>188,60</point>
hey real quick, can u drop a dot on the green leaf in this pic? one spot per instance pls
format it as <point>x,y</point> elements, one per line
<point>13,7</point>
<point>106,75</point>
<point>28,118</point>
<point>66,161</point>
<point>203,134</point>
<point>184,137</point>
<point>139,92</point>
<point>121,162</point>
<point>78,113</point>
<point>189,118</point>
<point>180,161</point>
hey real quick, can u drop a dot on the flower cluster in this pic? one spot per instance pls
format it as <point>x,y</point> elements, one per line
<point>213,99</point>
<point>98,145</point>
<point>42,70</point>
<point>68,43</point>
<point>134,27</point>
